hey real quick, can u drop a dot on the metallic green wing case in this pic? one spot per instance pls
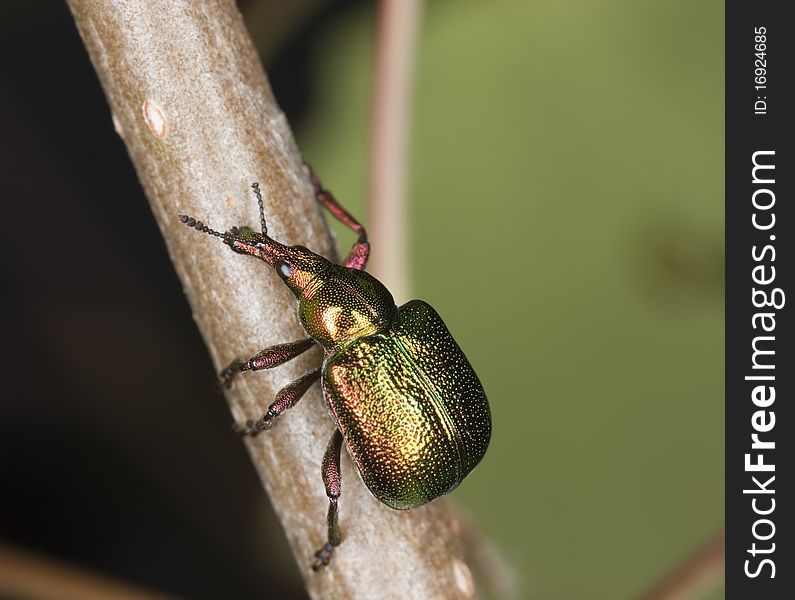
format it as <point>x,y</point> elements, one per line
<point>410,407</point>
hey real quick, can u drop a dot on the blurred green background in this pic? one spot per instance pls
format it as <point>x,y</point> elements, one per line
<point>566,219</point>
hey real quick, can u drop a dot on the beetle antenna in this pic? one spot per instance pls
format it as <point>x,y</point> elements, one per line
<point>199,226</point>
<point>255,187</point>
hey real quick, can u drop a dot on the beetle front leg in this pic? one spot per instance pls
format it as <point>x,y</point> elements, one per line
<point>357,257</point>
<point>287,397</point>
<point>332,481</point>
<point>265,359</point>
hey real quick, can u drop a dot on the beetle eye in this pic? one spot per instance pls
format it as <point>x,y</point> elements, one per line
<point>284,270</point>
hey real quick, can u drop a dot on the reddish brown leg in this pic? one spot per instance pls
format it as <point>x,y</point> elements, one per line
<point>287,397</point>
<point>357,257</point>
<point>266,359</point>
<point>331,479</point>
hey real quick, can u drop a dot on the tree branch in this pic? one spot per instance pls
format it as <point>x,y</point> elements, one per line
<point>192,103</point>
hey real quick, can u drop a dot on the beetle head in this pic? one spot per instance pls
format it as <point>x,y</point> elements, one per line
<point>296,265</point>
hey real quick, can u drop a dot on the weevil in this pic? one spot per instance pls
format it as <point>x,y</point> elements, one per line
<point>404,398</point>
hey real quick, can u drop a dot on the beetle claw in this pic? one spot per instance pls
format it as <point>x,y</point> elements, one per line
<point>252,428</point>
<point>323,557</point>
<point>226,376</point>
<point>242,429</point>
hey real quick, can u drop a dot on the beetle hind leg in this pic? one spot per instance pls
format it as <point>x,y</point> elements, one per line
<point>332,481</point>
<point>357,257</point>
<point>287,397</point>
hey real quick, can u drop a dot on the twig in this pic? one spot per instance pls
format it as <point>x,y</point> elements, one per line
<point>690,578</point>
<point>192,103</point>
<point>25,575</point>
<point>398,22</point>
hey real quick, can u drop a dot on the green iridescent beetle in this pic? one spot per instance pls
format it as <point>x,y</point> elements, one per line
<point>405,399</point>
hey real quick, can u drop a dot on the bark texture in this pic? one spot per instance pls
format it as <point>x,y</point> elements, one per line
<point>190,99</point>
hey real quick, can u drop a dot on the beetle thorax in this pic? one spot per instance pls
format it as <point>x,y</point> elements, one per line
<point>345,304</point>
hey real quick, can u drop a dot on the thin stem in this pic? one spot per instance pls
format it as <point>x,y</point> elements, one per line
<point>699,571</point>
<point>398,23</point>
<point>26,575</point>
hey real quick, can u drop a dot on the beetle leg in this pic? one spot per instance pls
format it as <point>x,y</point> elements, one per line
<point>266,359</point>
<point>287,397</point>
<point>357,257</point>
<point>331,479</point>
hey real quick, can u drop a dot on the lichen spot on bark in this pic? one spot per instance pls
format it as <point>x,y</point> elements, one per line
<point>463,579</point>
<point>155,119</point>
